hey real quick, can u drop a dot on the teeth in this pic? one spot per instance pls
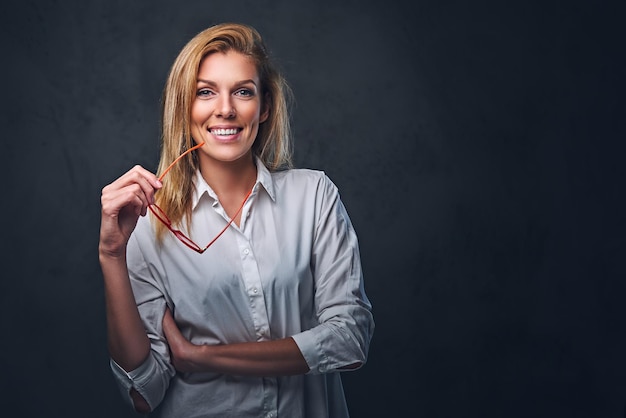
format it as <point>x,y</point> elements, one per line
<point>224,132</point>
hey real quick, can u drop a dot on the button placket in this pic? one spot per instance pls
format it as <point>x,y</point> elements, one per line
<point>271,397</point>
<point>254,289</point>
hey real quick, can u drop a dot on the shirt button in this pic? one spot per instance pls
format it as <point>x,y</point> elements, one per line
<point>246,251</point>
<point>255,290</point>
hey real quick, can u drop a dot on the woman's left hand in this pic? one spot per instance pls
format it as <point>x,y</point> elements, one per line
<point>181,350</point>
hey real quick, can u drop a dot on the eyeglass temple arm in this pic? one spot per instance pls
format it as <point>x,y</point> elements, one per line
<point>179,157</point>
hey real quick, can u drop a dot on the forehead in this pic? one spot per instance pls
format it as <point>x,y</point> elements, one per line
<point>225,66</point>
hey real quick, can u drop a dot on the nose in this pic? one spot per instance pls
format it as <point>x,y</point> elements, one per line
<point>225,106</point>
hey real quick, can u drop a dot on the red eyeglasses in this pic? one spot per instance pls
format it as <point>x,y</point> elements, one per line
<point>161,216</point>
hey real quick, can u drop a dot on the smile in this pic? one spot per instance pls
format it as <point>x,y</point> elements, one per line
<point>225,132</point>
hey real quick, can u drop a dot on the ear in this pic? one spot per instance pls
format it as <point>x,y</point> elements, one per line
<point>265,108</point>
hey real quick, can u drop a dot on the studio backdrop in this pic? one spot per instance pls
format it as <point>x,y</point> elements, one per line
<point>476,146</point>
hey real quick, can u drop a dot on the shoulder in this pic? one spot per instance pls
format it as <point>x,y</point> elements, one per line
<point>302,178</point>
<point>304,188</point>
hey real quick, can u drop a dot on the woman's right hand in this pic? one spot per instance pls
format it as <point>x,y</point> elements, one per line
<point>123,201</point>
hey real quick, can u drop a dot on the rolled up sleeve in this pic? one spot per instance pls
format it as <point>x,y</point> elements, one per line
<point>151,379</point>
<point>346,324</point>
<point>148,379</point>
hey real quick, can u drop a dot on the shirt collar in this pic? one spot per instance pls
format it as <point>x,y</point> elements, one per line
<point>263,177</point>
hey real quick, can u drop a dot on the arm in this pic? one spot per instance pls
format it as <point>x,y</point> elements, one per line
<point>128,343</point>
<point>339,342</point>
<point>345,327</point>
<point>127,340</point>
<point>123,201</point>
<point>266,358</point>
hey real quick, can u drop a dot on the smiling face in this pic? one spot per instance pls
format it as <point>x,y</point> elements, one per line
<point>227,109</point>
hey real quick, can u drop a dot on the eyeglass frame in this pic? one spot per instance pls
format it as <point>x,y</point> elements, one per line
<point>161,216</point>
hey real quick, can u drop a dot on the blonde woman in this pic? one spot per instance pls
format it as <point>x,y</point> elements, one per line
<point>233,282</point>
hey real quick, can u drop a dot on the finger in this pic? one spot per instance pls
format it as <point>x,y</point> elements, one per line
<point>136,176</point>
<point>148,175</point>
<point>171,332</point>
<point>168,322</point>
<point>154,181</point>
<point>115,201</point>
<point>148,182</point>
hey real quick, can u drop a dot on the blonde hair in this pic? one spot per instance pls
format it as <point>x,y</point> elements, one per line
<point>273,141</point>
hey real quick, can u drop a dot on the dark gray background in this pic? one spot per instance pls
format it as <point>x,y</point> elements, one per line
<point>477,147</point>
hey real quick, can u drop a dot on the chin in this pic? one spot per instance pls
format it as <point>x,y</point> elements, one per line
<point>230,157</point>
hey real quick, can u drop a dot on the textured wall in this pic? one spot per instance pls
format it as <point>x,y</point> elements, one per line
<point>478,149</point>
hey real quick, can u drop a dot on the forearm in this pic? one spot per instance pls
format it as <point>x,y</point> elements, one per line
<point>128,343</point>
<point>265,358</point>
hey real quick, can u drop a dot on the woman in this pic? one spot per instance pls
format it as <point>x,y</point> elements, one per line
<point>260,321</point>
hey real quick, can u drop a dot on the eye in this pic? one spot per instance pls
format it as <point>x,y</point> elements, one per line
<point>204,92</point>
<point>245,92</point>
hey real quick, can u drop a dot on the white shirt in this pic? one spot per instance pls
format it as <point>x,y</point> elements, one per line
<point>291,269</point>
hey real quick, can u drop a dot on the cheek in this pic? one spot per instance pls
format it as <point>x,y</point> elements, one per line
<point>252,114</point>
<point>196,121</point>
<point>196,114</point>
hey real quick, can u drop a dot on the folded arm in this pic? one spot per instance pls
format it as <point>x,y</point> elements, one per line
<point>265,358</point>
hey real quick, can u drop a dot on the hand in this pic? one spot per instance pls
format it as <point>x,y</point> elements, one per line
<point>123,201</point>
<point>181,350</point>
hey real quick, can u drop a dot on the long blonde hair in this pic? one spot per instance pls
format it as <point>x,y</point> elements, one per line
<point>273,141</point>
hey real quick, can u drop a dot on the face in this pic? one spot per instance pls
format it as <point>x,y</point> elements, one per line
<point>227,108</point>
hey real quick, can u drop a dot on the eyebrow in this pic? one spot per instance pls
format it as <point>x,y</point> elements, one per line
<point>238,83</point>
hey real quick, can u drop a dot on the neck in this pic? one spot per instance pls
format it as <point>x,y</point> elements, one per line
<point>231,178</point>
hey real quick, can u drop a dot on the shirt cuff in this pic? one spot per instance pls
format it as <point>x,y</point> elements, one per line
<point>142,379</point>
<point>312,352</point>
